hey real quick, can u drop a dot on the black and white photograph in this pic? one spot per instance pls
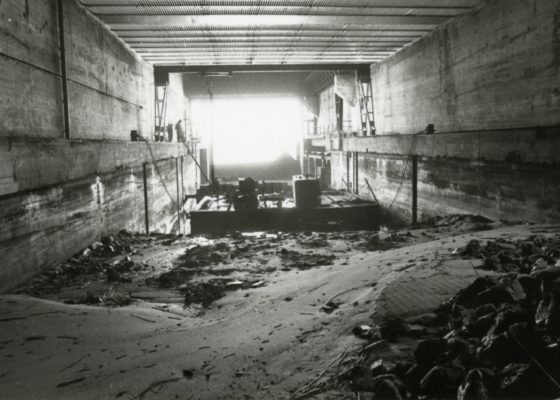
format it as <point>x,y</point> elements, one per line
<point>279,199</point>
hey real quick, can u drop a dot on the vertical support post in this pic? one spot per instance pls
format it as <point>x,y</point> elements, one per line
<point>146,210</point>
<point>414,189</point>
<point>63,70</point>
<point>178,195</point>
<point>211,168</point>
<point>314,167</point>
<point>182,178</point>
<point>356,174</point>
<point>348,172</point>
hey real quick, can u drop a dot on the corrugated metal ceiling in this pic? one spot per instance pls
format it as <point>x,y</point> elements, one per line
<point>245,32</point>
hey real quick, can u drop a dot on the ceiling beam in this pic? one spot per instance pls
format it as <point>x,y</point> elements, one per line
<point>272,31</point>
<point>262,68</point>
<point>261,39</point>
<point>303,3</point>
<point>249,54</point>
<point>252,20</point>
<point>280,41</point>
<point>272,9</point>
<point>260,49</point>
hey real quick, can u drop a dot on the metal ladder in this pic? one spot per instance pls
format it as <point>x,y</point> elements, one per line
<point>366,106</point>
<point>161,109</point>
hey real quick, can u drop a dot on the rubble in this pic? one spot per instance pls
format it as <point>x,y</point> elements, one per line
<point>296,260</point>
<point>499,337</point>
<point>204,293</point>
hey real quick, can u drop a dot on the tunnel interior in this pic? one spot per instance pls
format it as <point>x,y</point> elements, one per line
<point>311,199</point>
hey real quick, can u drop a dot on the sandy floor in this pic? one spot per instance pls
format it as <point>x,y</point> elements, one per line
<point>273,340</point>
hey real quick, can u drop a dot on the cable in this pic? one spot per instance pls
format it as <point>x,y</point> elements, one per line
<point>412,147</point>
<point>158,172</point>
<point>196,162</point>
<point>548,374</point>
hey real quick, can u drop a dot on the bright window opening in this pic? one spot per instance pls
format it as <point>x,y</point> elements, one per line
<point>249,129</point>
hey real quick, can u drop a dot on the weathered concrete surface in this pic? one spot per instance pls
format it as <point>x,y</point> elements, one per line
<point>532,145</point>
<point>27,163</point>
<point>41,226</point>
<point>326,122</point>
<point>30,100</point>
<point>177,103</point>
<point>110,87</point>
<point>29,33</point>
<point>247,84</point>
<point>495,68</point>
<point>496,189</point>
<point>339,172</point>
<point>58,195</point>
<point>345,87</point>
<point>30,95</point>
<point>487,81</point>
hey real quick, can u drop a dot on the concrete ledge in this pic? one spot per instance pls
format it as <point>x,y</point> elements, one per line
<point>31,163</point>
<point>495,189</point>
<point>534,145</point>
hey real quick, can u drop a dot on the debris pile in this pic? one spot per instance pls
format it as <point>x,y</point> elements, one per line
<point>459,222</point>
<point>203,293</point>
<point>497,338</point>
<point>99,261</point>
<point>381,241</point>
<point>296,260</point>
<point>523,256</point>
<point>202,256</point>
<point>111,245</point>
<point>190,264</point>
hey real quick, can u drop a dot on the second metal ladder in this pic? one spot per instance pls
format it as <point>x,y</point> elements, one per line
<point>161,109</point>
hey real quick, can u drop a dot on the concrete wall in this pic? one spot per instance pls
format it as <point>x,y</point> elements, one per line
<point>110,89</point>
<point>246,84</point>
<point>496,68</point>
<point>58,195</point>
<point>326,122</point>
<point>176,105</point>
<point>345,86</point>
<point>487,81</point>
<point>512,175</point>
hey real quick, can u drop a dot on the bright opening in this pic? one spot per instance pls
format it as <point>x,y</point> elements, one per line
<point>249,129</point>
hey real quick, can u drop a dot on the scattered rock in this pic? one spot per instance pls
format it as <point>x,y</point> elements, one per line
<point>438,382</point>
<point>330,306</point>
<point>234,285</point>
<point>467,297</point>
<point>386,389</point>
<point>498,349</point>
<point>495,296</point>
<point>516,381</point>
<point>473,387</point>
<point>391,327</point>
<point>363,331</point>
<point>429,351</point>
